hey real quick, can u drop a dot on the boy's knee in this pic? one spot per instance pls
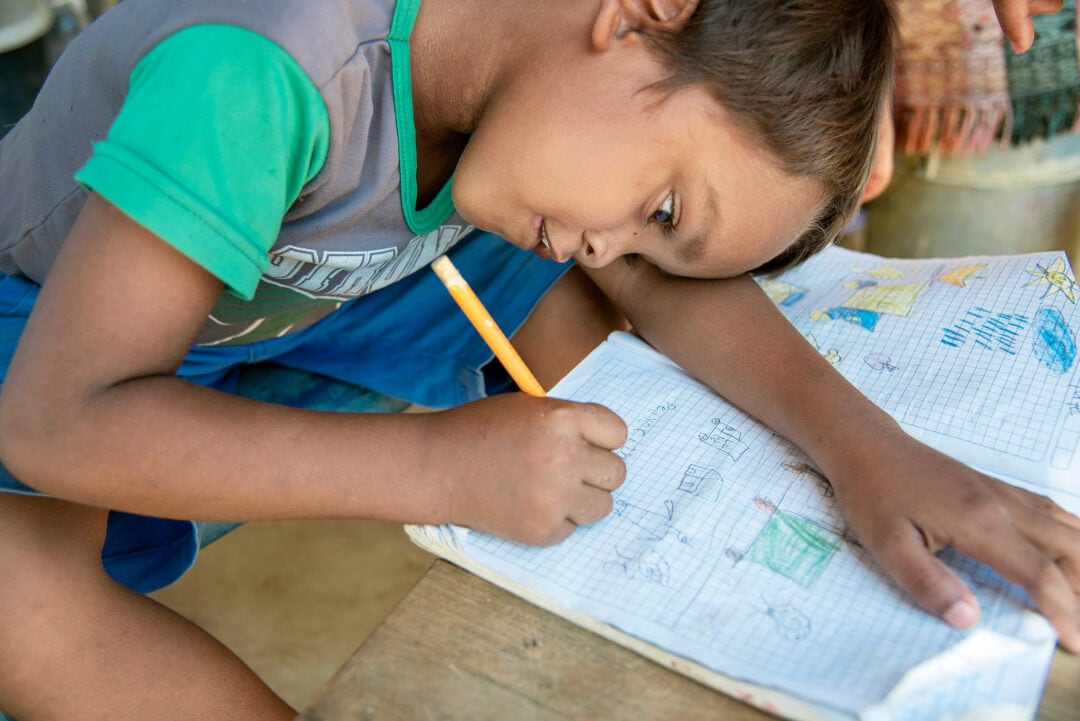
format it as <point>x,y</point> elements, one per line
<point>50,558</point>
<point>48,545</point>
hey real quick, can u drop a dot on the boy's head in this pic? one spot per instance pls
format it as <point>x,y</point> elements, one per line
<point>808,79</point>
<point>708,137</point>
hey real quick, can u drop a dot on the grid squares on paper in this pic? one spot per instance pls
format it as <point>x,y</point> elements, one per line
<point>715,604</point>
<point>963,363</point>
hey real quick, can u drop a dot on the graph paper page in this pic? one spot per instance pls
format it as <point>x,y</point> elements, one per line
<point>725,546</point>
<point>975,356</point>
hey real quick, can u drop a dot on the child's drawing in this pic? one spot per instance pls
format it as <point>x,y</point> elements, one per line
<point>880,362</point>
<point>870,301</point>
<point>701,481</point>
<point>640,427</point>
<point>649,566</point>
<point>1073,403</point>
<point>781,293</point>
<point>639,558</point>
<point>986,329</point>
<point>1054,343</point>
<point>1057,279</point>
<point>832,355</point>
<point>791,623</point>
<point>795,547</point>
<point>824,486</point>
<point>724,438</point>
<point>883,272</point>
<point>764,505</point>
<point>654,525</point>
<point>959,276</point>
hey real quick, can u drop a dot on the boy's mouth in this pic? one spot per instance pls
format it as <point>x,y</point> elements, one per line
<point>542,240</point>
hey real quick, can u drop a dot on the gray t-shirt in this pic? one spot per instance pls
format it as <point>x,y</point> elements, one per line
<point>269,140</point>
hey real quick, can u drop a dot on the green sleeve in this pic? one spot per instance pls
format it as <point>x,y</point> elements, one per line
<point>218,134</point>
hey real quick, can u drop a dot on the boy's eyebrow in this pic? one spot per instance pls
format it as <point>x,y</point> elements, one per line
<point>694,249</point>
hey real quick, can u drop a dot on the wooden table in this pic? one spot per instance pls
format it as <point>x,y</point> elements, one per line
<point>458,647</point>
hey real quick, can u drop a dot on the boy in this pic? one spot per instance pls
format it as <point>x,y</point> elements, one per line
<point>291,154</point>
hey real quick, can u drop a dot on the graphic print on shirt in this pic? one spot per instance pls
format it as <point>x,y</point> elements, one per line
<point>304,285</point>
<point>343,275</point>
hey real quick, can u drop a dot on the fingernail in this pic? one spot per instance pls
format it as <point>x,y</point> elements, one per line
<point>961,615</point>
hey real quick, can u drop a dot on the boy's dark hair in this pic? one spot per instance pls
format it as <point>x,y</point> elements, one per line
<point>807,78</point>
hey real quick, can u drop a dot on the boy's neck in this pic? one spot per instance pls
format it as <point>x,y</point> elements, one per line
<point>463,53</point>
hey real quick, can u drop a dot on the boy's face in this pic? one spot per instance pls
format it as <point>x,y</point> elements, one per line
<point>597,168</point>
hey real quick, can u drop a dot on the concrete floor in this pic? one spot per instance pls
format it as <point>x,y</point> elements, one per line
<point>294,599</point>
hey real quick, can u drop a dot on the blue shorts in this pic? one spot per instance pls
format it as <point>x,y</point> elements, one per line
<point>406,343</point>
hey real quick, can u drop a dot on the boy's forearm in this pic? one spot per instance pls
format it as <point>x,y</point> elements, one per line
<point>162,446</point>
<point>730,336</point>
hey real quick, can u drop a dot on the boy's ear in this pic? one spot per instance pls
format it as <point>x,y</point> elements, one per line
<point>617,19</point>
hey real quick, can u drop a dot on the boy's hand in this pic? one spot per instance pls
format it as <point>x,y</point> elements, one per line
<point>1014,16</point>
<point>904,516</point>
<point>528,469</point>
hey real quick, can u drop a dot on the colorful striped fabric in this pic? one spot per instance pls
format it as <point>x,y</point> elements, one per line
<point>960,88</point>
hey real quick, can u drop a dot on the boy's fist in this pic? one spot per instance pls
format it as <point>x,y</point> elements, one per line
<point>529,469</point>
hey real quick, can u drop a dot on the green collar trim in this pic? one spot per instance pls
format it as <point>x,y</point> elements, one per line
<point>429,218</point>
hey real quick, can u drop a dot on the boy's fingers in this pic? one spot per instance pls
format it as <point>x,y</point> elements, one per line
<point>602,427</point>
<point>1021,562</point>
<point>608,473</point>
<point>1058,537</point>
<point>934,587</point>
<point>592,506</point>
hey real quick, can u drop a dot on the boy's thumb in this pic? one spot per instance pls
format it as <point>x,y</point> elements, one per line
<point>933,586</point>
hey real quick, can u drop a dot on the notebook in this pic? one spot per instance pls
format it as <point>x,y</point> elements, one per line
<point>725,557</point>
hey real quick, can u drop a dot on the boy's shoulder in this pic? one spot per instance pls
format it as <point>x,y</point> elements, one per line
<point>321,36</point>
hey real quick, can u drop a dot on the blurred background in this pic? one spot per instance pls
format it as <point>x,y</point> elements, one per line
<point>986,161</point>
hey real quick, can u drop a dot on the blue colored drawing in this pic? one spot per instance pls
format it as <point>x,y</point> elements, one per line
<point>866,318</point>
<point>1054,342</point>
<point>993,331</point>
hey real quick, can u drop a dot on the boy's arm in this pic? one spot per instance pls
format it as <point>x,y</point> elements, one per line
<point>92,412</point>
<point>903,500</point>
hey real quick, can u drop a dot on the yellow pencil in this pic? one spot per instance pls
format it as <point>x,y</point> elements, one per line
<point>478,315</point>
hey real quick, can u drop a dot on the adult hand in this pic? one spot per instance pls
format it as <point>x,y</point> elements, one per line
<point>1014,16</point>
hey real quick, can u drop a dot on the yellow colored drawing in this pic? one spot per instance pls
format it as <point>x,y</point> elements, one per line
<point>882,272</point>
<point>781,293</point>
<point>887,272</point>
<point>1057,279</point>
<point>891,299</point>
<point>959,276</point>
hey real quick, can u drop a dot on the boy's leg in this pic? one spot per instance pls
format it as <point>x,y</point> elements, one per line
<point>74,643</point>
<point>569,321</point>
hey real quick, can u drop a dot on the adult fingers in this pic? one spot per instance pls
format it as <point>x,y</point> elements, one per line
<point>1014,18</point>
<point>1046,7</point>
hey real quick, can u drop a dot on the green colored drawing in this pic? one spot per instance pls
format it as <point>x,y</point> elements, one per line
<point>795,547</point>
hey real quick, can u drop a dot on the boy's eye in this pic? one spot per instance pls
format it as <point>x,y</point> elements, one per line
<point>665,214</point>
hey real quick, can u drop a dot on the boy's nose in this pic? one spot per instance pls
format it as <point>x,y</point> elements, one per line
<point>598,248</point>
